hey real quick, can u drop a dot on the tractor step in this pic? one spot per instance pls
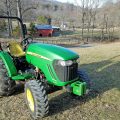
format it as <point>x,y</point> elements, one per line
<point>22,77</point>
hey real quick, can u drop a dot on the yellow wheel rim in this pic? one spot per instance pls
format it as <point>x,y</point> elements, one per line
<point>30,100</point>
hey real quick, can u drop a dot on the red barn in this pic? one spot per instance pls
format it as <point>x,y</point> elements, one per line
<point>44,30</point>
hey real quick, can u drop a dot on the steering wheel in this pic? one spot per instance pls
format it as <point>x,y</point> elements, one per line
<point>26,41</point>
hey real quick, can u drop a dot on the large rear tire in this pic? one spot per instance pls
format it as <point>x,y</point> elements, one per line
<point>36,99</point>
<point>7,86</point>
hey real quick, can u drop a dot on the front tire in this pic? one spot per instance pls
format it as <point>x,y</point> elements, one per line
<point>7,86</point>
<point>36,99</point>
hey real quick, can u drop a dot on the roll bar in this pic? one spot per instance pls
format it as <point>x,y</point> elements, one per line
<point>23,26</point>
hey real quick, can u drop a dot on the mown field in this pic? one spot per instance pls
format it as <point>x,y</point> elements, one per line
<point>102,62</point>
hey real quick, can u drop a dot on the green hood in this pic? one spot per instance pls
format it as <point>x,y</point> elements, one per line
<point>52,52</point>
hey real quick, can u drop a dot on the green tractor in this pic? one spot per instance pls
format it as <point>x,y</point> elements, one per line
<point>41,67</point>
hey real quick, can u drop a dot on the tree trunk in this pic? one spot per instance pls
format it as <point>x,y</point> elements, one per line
<point>83,18</point>
<point>93,26</point>
<point>19,14</point>
<point>88,35</point>
<point>102,34</point>
<point>83,28</point>
<point>9,21</point>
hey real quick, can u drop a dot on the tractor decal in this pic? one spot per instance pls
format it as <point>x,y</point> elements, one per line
<point>34,54</point>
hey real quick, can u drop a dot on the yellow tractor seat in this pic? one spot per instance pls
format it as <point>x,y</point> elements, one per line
<point>16,49</point>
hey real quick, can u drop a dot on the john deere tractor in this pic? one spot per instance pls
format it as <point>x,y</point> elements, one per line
<point>41,67</point>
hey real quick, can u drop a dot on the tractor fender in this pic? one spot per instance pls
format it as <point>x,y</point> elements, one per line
<point>7,60</point>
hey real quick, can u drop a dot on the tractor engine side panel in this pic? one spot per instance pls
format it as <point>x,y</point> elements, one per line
<point>43,56</point>
<point>47,68</point>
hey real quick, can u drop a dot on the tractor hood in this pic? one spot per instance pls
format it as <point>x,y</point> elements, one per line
<point>51,52</point>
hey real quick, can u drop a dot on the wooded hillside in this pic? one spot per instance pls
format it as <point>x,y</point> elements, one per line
<point>88,16</point>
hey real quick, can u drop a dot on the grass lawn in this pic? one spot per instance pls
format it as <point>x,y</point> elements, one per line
<point>102,62</point>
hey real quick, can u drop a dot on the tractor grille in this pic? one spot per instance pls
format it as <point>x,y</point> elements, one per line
<point>66,73</point>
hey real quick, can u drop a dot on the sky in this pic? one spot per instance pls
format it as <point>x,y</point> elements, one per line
<point>73,1</point>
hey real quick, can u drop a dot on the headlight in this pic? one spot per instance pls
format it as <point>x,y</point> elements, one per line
<point>78,60</point>
<point>65,63</point>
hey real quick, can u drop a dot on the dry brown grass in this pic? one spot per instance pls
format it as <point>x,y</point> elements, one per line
<point>102,62</point>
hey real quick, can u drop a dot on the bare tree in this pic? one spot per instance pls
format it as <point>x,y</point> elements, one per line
<point>83,16</point>
<point>94,12</point>
<point>89,10</point>
<point>8,8</point>
<point>23,7</point>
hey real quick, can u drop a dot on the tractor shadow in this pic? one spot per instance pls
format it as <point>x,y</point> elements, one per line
<point>104,76</point>
<point>19,88</point>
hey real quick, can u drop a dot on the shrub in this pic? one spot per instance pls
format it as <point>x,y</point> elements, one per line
<point>32,29</point>
<point>2,25</point>
<point>42,20</point>
<point>17,32</point>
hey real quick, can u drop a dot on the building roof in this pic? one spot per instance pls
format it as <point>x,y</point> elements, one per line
<point>55,27</point>
<point>45,27</point>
